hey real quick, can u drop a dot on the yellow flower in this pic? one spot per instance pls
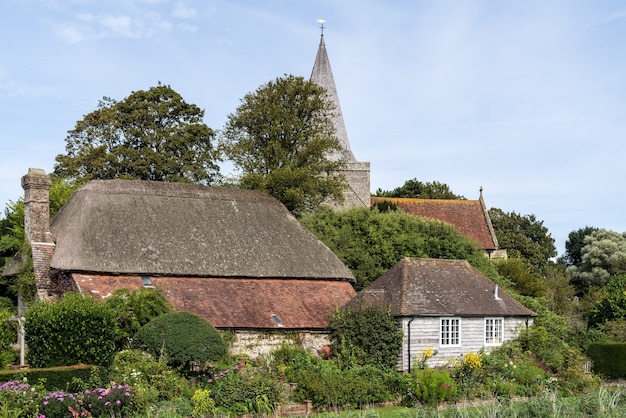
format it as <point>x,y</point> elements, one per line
<point>472,360</point>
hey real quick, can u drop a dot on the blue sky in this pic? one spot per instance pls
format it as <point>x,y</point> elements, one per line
<point>524,98</point>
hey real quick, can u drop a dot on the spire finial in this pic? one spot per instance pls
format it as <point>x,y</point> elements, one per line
<point>321,22</point>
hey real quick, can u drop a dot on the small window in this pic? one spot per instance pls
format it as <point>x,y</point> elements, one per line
<point>277,320</point>
<point>494,331</point>
<point>450,331</point>
<point>146,281</point>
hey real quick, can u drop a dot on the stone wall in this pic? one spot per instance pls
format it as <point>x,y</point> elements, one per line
<point>357,194</point>
<point>259,343</point>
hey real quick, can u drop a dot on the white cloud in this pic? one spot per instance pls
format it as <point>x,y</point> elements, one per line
<point>183,11</point>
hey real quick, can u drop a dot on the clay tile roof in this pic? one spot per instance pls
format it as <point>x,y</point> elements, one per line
<point>238,303</point>
<point>159,228</point>
<point>470,217</point>
<point>437,287</point>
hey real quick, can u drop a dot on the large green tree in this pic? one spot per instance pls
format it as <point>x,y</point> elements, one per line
<point>613,305</point>
<point>370,242</point>
<point>523,236</point>
<point>280,140</point>
<point>150,135</point>
<point>574,246</point>
<point>603,255</point>
<point>416,189</point>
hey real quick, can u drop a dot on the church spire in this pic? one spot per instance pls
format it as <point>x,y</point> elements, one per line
<point>323,76</point>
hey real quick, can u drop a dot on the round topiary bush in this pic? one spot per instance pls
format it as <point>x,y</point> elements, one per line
<point>183,338</point>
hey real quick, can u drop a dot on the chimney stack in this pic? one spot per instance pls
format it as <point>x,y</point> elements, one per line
<point>36,185</point>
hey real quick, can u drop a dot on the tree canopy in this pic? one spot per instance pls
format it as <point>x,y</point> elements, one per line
<point>281,138</point>
<point>416,189</point>
<point>574,246</point>
<point>370,242</point>
<point>150,135</point>
<point>523,236</point>
<point>603,255</point>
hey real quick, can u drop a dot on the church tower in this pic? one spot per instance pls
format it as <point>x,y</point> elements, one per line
<point>357,173</point>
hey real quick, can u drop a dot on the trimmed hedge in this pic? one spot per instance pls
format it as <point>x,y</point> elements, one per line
<point>54,378</point>
<point>609,359</point>
<point>73,330</point>
<point>183,338</point>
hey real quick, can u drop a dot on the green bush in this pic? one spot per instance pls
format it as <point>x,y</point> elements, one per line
<point>134,310</point>
<point>609,359</point>
<point>184,339</point>
<point>68,331</point>
<point>365,335</point>
<point>238,392</point>
<point>428,386</point>
<point>8,337</point>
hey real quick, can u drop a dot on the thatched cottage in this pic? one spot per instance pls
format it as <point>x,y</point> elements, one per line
<point>236,257</point>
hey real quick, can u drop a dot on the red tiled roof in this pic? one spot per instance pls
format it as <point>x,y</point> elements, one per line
<point>241,303</point>
<point>468,216</point>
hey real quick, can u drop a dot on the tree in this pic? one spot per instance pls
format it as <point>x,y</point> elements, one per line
<point>574,246</point>
<point>281,138</point>
<point>603,255</point>
<point>525,282</point>
<point>365,335</point>
<point>134,310</point>
<point>370,242</point>
<point>150,135</point>
<point>523,236</point>
<point>418,190</point>
<point>613,305</point>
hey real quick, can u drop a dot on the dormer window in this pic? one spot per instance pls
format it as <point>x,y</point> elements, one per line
<point>146,281</point>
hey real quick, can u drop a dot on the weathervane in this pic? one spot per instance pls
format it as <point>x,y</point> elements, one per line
<point>321,22</point>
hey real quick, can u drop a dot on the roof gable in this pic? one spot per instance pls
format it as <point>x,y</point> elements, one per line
<point>159,228</point>
<point>468,216</point>
<point>437,287</point>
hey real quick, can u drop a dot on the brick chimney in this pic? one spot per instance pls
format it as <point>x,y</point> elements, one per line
<point>36,185</point>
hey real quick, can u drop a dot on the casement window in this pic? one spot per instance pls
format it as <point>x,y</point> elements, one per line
<point>450,331</point>
<point>494,331</point>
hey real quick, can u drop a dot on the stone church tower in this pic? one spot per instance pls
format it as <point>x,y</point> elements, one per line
<point>357,173</point>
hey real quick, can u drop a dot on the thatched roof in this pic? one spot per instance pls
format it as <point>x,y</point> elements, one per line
<point>436,287</point>
<point>174,229</point>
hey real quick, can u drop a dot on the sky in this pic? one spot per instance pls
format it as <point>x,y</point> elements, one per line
<point>526,99</point>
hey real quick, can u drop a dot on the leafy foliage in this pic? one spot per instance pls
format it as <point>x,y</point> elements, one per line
<point>71,330</point>
<point>281,139</point>
<point>370,242</point>
<point>365,335</point>
<point>525,281</point>
<point>134,310</point>
<point>150,135</point>
<point>574,246</point>
<point>613,305</point>
<point>603,255</point>
<point>523,236</point>
<point>8,337</point>
<point>184,339</point>
<point>416,189</point>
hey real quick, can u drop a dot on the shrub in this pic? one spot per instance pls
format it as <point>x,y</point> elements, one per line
<point>134,310</point>
<point>58,404</point>
<point>72,330</point>
<point>115,401</point>
<point>609,359</point>
<point>428,386</point>
<point>239,392</point>
<point>8,336</point>
<point>365,335</point>
<point>183,338</point>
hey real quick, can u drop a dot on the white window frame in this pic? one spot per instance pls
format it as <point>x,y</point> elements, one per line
<point>494,331</point>
<point>450,332</point>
